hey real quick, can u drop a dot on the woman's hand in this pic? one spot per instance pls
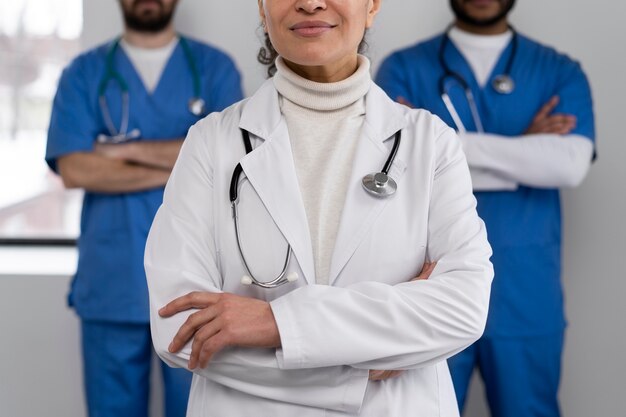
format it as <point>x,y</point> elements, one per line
<point>222,320</point>
<point>427,269</point>
<point>383,375</point>
<point>376,375</point>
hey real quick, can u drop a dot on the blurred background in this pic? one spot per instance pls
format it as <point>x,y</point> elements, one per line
<point>40,371</point>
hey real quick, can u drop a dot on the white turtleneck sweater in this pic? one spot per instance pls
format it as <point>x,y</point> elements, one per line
<point>324,121</point>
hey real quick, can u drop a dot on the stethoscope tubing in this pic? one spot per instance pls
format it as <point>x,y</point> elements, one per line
<point>234,201</point>
<point>449,73</point>
<point>196,104</point>
<point>281,278</point>
<point>373,188</point>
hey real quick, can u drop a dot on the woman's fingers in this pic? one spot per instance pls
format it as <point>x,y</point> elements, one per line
<point>222,320</point>
<point>376,375</point>
<point>190,327</point>
<point>196,299</point>
<point>204,344</point>
<point>404,101</point>
<point>427,270</point>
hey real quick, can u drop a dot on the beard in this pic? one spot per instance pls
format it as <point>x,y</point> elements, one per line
<point>147,20</point>
<point>459,12</point>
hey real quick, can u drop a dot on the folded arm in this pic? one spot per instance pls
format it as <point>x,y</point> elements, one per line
<point>371,325</point>
<point>536,160</point>
<point>101,174</point>
<point>160,154</point>
<point>181,259</point>
<point>548,155</point>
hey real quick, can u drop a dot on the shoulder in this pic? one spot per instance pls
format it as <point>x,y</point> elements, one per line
<point>424,130</point>
<point>548,56</point>
<point>422,50</point>
<point>87,67</point>
<point>91,59</point>
<point>208,52</point>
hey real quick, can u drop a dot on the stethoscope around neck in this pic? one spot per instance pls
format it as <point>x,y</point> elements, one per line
<point>502,83</point>
<point>196,104</point>
<point>377,184</point>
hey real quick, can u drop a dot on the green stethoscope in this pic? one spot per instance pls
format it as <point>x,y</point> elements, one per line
<point>197,105</point>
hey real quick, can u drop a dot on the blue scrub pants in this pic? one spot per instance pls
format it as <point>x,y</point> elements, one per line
<point>117,358</point>
<point>521,375</point>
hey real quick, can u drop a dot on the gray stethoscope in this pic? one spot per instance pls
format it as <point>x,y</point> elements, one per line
<point>197,105</point>
<point>378,184</point>
<point>502,84</point>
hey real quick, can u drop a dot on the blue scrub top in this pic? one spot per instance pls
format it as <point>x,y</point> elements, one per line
<point>110,282</point>
<point>524,226</point>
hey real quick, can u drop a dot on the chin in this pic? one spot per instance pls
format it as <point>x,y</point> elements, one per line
<point>311,56</point>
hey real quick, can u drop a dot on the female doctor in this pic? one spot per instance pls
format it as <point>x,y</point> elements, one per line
<point>303,301</point>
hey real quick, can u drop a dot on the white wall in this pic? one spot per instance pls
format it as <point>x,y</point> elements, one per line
<point>595,242</point>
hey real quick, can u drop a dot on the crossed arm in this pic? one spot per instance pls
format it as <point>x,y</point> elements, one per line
<point>223,320</point>
<point>120,168</point>
<point>547,155</point>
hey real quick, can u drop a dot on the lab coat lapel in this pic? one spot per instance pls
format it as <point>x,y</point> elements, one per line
<point>271,171</point>
<point>382,120</point>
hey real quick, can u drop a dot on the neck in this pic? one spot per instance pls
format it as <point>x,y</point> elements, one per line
<point>149,39</point>
<point>333,73</point>
<point>497,28</point>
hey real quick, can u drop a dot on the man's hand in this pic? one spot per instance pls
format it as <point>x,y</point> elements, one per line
<point>404,101</point>
<point>115,150</point>
<point>222,320</point>
<point>544,122</point>
<point>375,375</point>
<point>158,154</point>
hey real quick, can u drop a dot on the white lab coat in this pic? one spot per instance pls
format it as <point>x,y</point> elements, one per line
<point>370,316</point>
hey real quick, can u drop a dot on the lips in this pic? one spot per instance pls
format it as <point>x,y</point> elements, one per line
<point>311,28</point>
<point>482,3</point>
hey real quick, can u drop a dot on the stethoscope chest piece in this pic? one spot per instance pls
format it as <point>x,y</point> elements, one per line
<point>197,106</point>
<point>503,84</point>
<point>379,185</point>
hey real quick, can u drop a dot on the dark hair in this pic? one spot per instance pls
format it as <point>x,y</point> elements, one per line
<point>267,54</point>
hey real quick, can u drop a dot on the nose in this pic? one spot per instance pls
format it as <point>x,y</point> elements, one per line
<point>310,6</point>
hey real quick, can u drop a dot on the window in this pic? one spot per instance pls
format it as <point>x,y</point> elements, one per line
<point>38,38</point>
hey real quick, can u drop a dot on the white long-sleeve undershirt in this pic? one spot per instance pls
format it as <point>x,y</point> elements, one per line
<point>542,160</point>
<point>499,163</point>
<point>482,52</point>
<point>149,62</point>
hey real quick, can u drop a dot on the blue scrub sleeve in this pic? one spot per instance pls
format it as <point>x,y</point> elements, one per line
<point>575,98</point>
<point>225,85</point>
<point>393,79</point>
<point>73,124</point>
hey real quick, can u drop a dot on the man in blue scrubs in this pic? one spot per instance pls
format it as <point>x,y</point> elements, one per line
<point>530,132</point>
<point>121,148</point>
